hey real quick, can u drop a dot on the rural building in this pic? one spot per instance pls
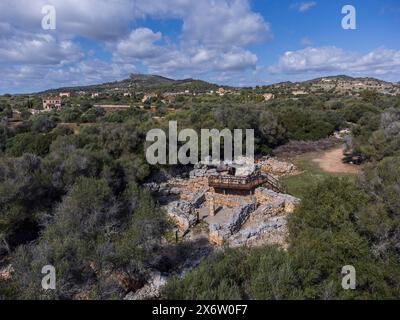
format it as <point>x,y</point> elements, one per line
<point>51,103</point>
<point>147,97</point>
<point>221,91</point>
<point>65,94</point>
<point>299,93</point>
<point>268,96</point>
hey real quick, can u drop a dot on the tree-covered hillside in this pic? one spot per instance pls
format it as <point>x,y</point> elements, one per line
<point>72,195</point>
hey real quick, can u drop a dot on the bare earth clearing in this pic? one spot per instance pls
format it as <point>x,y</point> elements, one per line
<point>331,161</point>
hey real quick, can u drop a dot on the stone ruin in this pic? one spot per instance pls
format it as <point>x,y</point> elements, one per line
<point>251,215</point>
<point>246,214</point>
<point>276,167</point>
<point>249,224</point>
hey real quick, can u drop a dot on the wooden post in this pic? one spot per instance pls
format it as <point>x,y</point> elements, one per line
<point>212,207</point>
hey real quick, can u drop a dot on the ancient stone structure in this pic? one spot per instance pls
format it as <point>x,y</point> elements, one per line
<point>272,231</point>
<point>220,233</point>
<point>265,213</point>
<point>276,200</point>
<point>226,200</point>
<point>183,213</point>
<point>276,167</point>
<point>243,204</point>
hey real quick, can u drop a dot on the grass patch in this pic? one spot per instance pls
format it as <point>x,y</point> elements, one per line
<point>311,174</point>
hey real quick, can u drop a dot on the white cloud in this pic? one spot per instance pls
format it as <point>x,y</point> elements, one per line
<point>212,22</point>
<point>37,78</point>
<point>140,44</point>
<point>97,19</point>
<point>303,6</point>
<point>202,56</point>
<point>238,60</point>
<point>215,34</point>
<point>331,59</point>
<point>39,48</point>
<point>215,22</point>
<point>214,37</point>
<point>171,59</point>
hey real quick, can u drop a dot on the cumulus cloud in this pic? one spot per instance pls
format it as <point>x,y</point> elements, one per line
<point>140,44</point>
<point>215,36</point>
<point>215,41</point>
<point>39,48</point>
<point>212,22</point>
<point>97,19</point>
<point>30,78</point>
<point>331,59</point>
<point>238,60</point>
<point>173,59</point>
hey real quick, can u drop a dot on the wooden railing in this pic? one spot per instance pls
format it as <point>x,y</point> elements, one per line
<point>274,184</point>
<point>244,183</point>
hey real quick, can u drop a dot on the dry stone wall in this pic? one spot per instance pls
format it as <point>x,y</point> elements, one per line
<point>276,167</point>
<point>183,214</point>
<point>272,231</point>
<point>266,196</point>
<point>219,233</point>
<point>226,200</point>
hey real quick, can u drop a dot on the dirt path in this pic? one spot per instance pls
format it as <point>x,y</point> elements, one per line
<point>331,161</point>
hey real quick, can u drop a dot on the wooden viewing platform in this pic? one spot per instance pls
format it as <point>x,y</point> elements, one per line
<point>249,183</point>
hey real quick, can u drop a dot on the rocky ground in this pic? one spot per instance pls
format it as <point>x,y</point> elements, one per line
<point>295,148</point>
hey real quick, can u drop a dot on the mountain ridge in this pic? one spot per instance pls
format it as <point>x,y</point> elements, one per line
<point>152,82</point>
<point>142,82</point>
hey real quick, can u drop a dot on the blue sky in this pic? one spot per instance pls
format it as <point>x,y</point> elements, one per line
<point>235,42</point>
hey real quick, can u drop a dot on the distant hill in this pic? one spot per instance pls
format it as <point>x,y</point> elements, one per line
<point>154,83</point>
<point>144,83</point>
<point>340,84</point>
<point>345,78</point>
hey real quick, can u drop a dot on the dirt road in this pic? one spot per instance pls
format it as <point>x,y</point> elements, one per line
<point>331,161</point>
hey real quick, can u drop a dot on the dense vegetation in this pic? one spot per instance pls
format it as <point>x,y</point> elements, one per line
<point>339,222</point>
<point>72,196</point>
